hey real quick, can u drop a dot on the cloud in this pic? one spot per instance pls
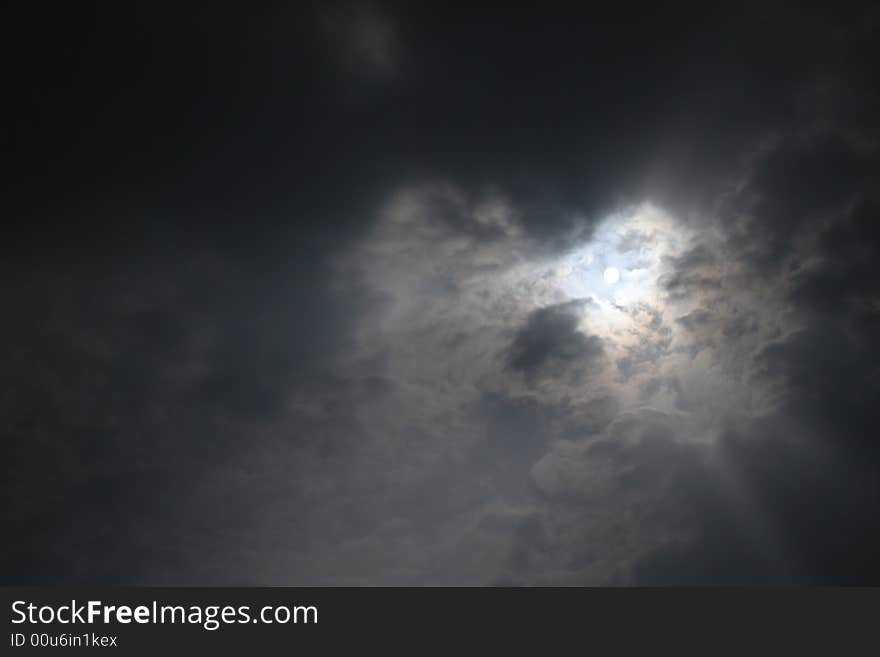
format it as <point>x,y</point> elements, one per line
<point>365,39</point>
<point>343,316</point>
<point>550,343</point>
<point>692,273</point>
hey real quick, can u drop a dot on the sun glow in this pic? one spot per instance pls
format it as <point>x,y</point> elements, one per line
<point>619,267</point>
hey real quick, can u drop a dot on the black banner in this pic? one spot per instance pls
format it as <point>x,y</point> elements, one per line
<point>153,620</point>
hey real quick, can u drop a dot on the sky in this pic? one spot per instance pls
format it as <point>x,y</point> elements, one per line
<point>370,294</point>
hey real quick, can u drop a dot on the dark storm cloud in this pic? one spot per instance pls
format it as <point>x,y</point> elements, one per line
<point>796,184</point>
<point>846,278</point>
<point>696,319</point>
<point>550,344</point>
<point>194,394</point>
<point>128,393</point>
<point>646,351</point>
<point>781,509</point>
<point>363,39</point>
<point>692,273</point>
<point>791,498</point>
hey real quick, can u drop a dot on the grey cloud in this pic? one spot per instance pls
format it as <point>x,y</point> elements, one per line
<point>692,273</point>
<point>789,498</point>
<point>771,508</point>
<point>633,240</point>
<point>696,319</point>
<point>325,370</point>
<point>644,353</point>
<point>844,277</point>
<point>366,41</point>
<point>702,326</point>
<point>550,344</point>
<point>796,185</point>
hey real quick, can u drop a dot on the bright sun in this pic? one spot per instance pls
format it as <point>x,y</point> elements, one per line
<point>611,275</point>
